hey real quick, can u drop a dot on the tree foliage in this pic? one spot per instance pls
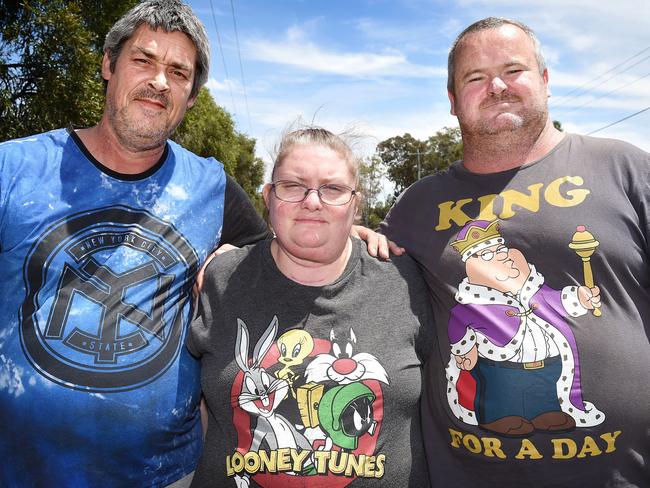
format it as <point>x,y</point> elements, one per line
<point>208,130</point>
<point>50,57</point>
<point>371,174</point>
<point>406,159</point>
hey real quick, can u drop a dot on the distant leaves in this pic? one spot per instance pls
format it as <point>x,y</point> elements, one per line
<point>404,156</point>
<point>50,57</point>
<point>208,130</point>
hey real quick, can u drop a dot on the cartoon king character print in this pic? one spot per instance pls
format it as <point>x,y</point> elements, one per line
<point>514,367</point>
<point>307,411</point>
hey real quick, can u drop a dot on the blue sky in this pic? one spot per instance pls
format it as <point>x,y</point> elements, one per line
<point>380,65</point>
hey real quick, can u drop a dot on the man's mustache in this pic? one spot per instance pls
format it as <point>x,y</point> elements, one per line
<point>147,93</point>
<point>499,98</point>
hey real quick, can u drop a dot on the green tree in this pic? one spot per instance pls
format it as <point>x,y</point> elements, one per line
<point>371,172</point>
<point>208,130</point>
<point>406,159</point>
<point>445,147</point>
<point>50,59</point>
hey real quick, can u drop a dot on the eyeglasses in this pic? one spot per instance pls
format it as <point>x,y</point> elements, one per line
<point>330,194</point>
<point>488,254</point>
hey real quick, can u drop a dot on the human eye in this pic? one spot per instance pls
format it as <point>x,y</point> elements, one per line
<point>180,74</point>
<point>334,189</point>
<point>514,70</point>
<point>290,191</point>
<point>290,185</point>
<point>474,78</point>
<point>335,194</point>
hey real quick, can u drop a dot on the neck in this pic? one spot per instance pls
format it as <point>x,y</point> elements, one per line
<point>102,142</point>
<point>499,152</point>
<point>310,272</point>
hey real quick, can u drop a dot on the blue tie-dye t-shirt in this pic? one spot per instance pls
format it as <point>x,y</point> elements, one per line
<point>96,388</point>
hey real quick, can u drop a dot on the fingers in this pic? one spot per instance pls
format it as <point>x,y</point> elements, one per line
<point>378,244</point>
<point>198,284</point>
<point>221,250</point>
<point>395,249</point>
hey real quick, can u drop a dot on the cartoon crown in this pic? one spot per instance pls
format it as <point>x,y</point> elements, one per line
<point>475,236</point>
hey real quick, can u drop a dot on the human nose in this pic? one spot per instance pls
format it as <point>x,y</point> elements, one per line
<point>312,199</point>
<point>497,85</point>
<point>159,81</point>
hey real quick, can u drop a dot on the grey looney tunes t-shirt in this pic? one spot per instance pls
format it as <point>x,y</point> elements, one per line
<point>312,386</point>
<point>532,386</point>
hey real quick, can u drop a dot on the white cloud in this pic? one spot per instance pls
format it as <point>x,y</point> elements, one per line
<point>297,51</point>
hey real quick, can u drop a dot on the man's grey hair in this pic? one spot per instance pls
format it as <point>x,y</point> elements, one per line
<point>485,24</point>
<point>169,15</point>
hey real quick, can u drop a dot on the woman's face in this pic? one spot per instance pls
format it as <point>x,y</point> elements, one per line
<point>312,230</point>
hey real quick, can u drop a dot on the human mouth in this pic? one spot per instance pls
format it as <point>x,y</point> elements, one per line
<point>155,104</point>
<point>504,102</point>
<point>310,220</point>
<point>151,99</point>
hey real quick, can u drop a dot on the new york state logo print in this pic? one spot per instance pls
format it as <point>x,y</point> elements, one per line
<point>106,291</point>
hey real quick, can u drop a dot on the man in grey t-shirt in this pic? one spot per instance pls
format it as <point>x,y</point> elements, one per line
<point>535,252</point>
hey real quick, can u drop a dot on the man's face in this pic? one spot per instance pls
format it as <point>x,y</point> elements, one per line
<point>498,267</point>
<point>149,90</point>
<point>497,84</point>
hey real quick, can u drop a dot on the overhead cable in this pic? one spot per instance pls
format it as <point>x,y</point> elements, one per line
<point>241,66</point>
<point>223,59</point>
<point>614,68</point>
<point>619,121</point>
<point>605,94</point>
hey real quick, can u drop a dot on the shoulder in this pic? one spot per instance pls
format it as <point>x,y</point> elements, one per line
<point>605,147</point>
<point>237,262</point>
<point>397,268</point>
<point>428,184</point>
<point>33,156</point>
<point>180,152</point>
<point>36,144</point>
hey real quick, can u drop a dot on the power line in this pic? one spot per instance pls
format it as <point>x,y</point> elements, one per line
<point>566,101</point>
<point>241,66</point>
<point>605,94</point>
<point>607,72</point>
<point>619,121</point>
<point>223,58</point>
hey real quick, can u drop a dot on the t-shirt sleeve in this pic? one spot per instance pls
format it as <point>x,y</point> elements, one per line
<point>425,340</point>
<point>242,224</point>
<point>198,335</point>
<point>396,224</point>
<point>646,207</point>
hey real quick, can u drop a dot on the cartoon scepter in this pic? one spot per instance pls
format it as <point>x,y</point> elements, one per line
<point>584,244</point>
